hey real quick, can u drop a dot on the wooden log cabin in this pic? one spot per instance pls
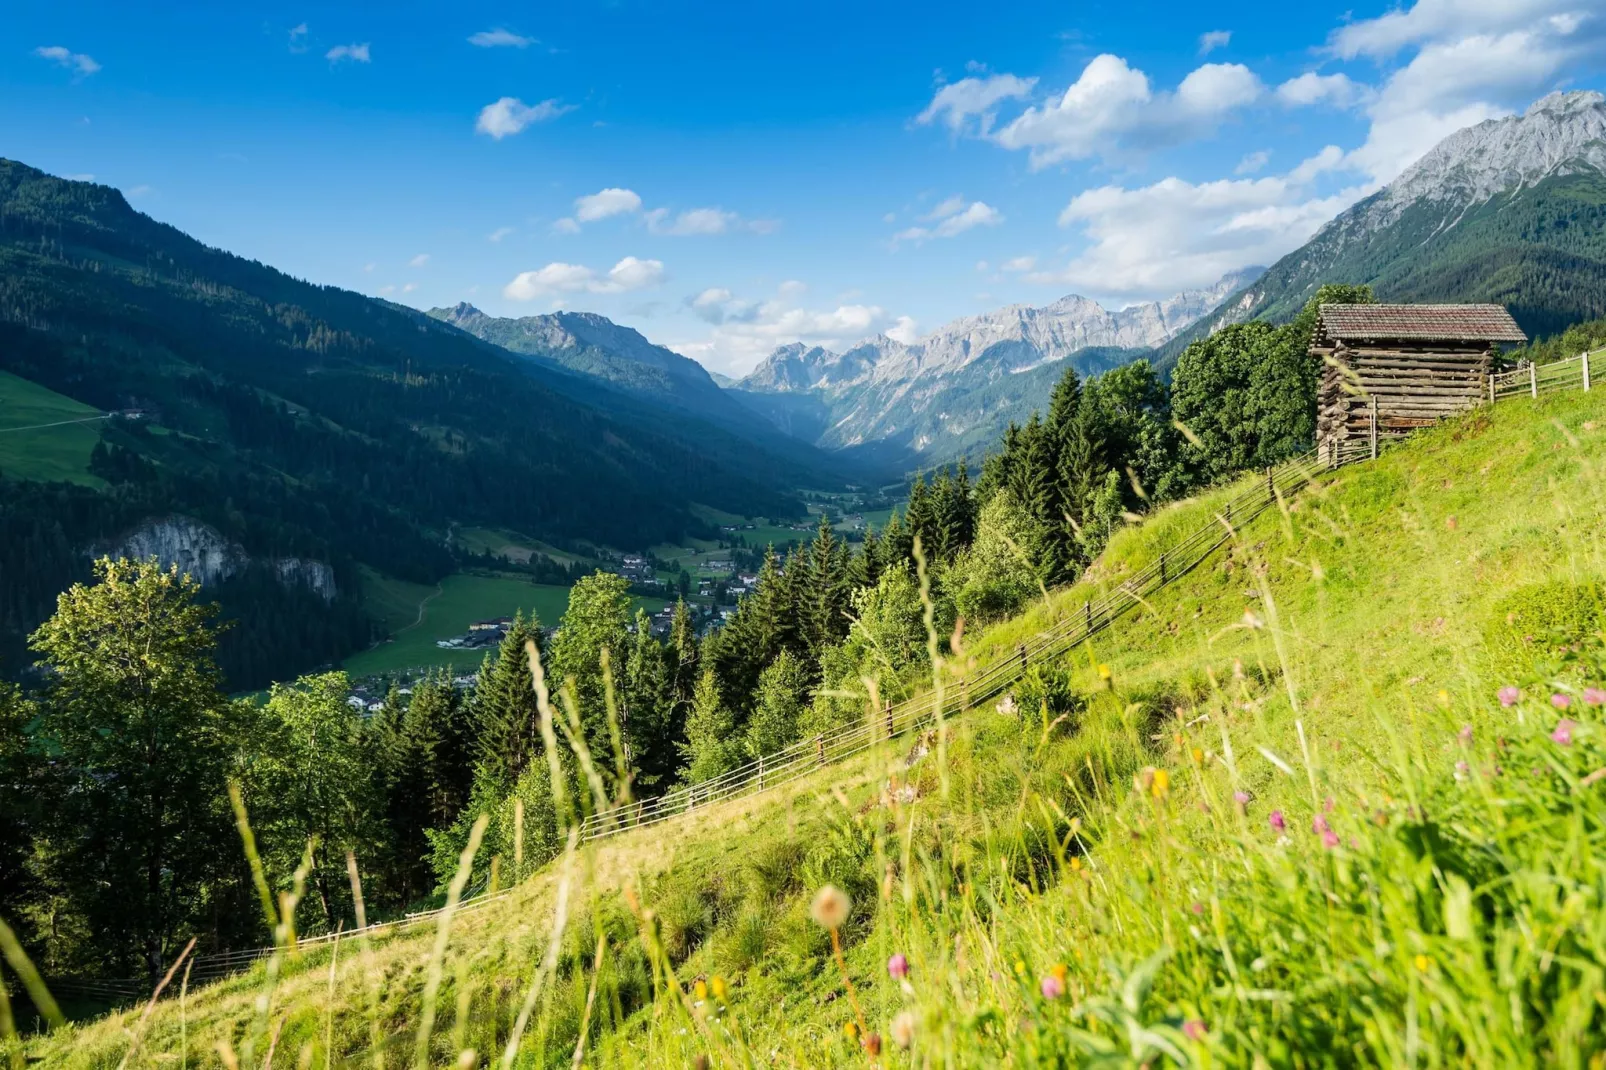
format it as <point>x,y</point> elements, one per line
<point>1390,369</point>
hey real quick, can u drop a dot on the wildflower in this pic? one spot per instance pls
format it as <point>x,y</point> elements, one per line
<point>1328,804</point>
<point>872,1044</point>
<point>1161,783</point>
<point>1104,672</point>
<point>1241,798</point>
<point>1422,963</point>
<point>1318,824</point>
<point>1465,735</point>
<point>1276,821</point>
<point>830,907</point>
<point>1594,696</point>
<point>903,1029</point>
<point>1060,970</point>
<point>1198,756</point>
<point>1197,908</point>
<point>1052,987</point>
<point>1143,779</point>
<point>1560,701</point>
<point>1508,696</point>
<point>898,966</point>
<point>1329,839</point>
<point>717,985</point>
<point>1194,1029</point>
<point>850,1030</point>
<point>1444,698</point>
<point>1020,967</point>
<point>1563,735</point>
<point>1462,769</point>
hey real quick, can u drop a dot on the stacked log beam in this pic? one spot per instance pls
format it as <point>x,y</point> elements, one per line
<point>1411,387</point>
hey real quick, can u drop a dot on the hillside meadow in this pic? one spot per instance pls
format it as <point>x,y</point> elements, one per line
<point>1333,798</point>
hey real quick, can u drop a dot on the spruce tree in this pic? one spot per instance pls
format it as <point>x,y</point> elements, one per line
<point>711,746</point>
<point>646,708</point>
<point>507,723</point>
<point>782,697</point>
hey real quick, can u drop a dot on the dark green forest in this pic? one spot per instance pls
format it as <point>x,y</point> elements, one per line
<point>305,421</point>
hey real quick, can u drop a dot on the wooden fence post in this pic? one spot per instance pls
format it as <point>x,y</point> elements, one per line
<point>1087,610</point>
<point>819,743</point>
<point>1533,379</point>
<point>1271,487</point>
<point>760,772</point>
<point>886,709</point>
<point>1585,359</point>
<point>1023,657</point>
<point>1162,568</point>
<point>1491,388</point>
<point>1374,427</point>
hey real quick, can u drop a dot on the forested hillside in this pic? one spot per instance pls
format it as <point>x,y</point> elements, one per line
<point>301,421</point>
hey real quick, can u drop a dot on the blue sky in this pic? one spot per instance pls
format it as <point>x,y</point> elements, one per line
<point>727,178</point>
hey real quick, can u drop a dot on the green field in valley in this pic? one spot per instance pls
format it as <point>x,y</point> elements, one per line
<point>29,451</point>
<point>418,615</point>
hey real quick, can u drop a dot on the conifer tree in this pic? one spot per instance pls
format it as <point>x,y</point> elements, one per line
<point>711,746</point>
<point>864,568</point>
<point>646,708</point>
<point>684,657</point>
<point>507,724</point>
<point>782,697</point>
<point>598,619</point>
<point>821,590</point>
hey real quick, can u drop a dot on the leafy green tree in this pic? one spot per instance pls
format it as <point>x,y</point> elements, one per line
<point>712,746</point>
<point>782,696</point>
<point>134,716</point>
<point>20,799</point>
<point>313,781</point>
<point>995,574</point>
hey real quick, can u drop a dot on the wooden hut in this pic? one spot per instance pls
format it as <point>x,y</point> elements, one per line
<point>1389,369</point>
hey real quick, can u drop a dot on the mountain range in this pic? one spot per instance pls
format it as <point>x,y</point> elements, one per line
<point>955,389</point>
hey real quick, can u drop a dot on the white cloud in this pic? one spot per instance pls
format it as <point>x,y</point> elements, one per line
<point>1172,235</point>
<point>559,278</point>
<point>369,267</point>
<point>565,226</point>
<point>1020,263</point>
<point>355,53</point>
<point>1214,39</point>
<point>744,332</point>
<point>409,288</point>
<point>418,261</point>
<point>500,38</point>
<point>387,289</point>
<point>950,218</point>
<point>81,65</point>
<point>1252,162</point>
<point>1473,60</point>
<point>1312,88</point>
<point>690,222</point>
<point>298,38</point>
<point>510,115</point>
<point>1110,111</point>
<point>498,234</point>
<point>904,331</point>
<point>136,192</point>
<point>974,98</point>
<point>604,203</point>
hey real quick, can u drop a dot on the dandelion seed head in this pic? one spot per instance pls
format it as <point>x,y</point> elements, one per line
<point>903,1029</point>
<point>831,907</point>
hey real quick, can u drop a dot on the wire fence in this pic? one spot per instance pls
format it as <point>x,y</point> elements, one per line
<point>808,756</point>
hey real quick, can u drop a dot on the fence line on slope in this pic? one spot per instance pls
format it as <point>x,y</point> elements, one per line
<point>808,756</point>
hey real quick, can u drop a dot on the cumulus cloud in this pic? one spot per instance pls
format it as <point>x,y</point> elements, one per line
<point>354,53</point>
<point>1174,235</point>
<point>950,218</point>
<point>500,38</point>
<point>1214,39</point>
<point>1111,110</point>
<point>604,203</point>
<point>510,115</point>
<point>1252,162</point>
<point>973,102</point>
<point>1312,88</point>
<point>745,331</point>
<point>81,65</point>
<point>557,279</point>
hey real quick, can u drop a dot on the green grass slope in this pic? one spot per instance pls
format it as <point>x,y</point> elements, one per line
<point>42,435</point>
<point>1278,817</point>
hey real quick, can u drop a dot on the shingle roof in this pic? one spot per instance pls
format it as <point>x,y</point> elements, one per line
<point>1439,323</point>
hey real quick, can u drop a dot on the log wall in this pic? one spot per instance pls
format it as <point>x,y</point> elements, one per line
<point>1412,387</point>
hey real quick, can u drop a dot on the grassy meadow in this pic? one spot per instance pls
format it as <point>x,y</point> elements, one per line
<point>447,611</point>
<point>44,453</point>
<point>1333,798</point>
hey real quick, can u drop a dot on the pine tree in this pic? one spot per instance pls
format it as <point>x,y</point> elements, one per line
<point>711,746</point>
<point>897,546</point>
<point>507,723</point>
<point>645,708</point>
<point>864,568</point>
<point>821,589</point>
<point>920,518</point>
